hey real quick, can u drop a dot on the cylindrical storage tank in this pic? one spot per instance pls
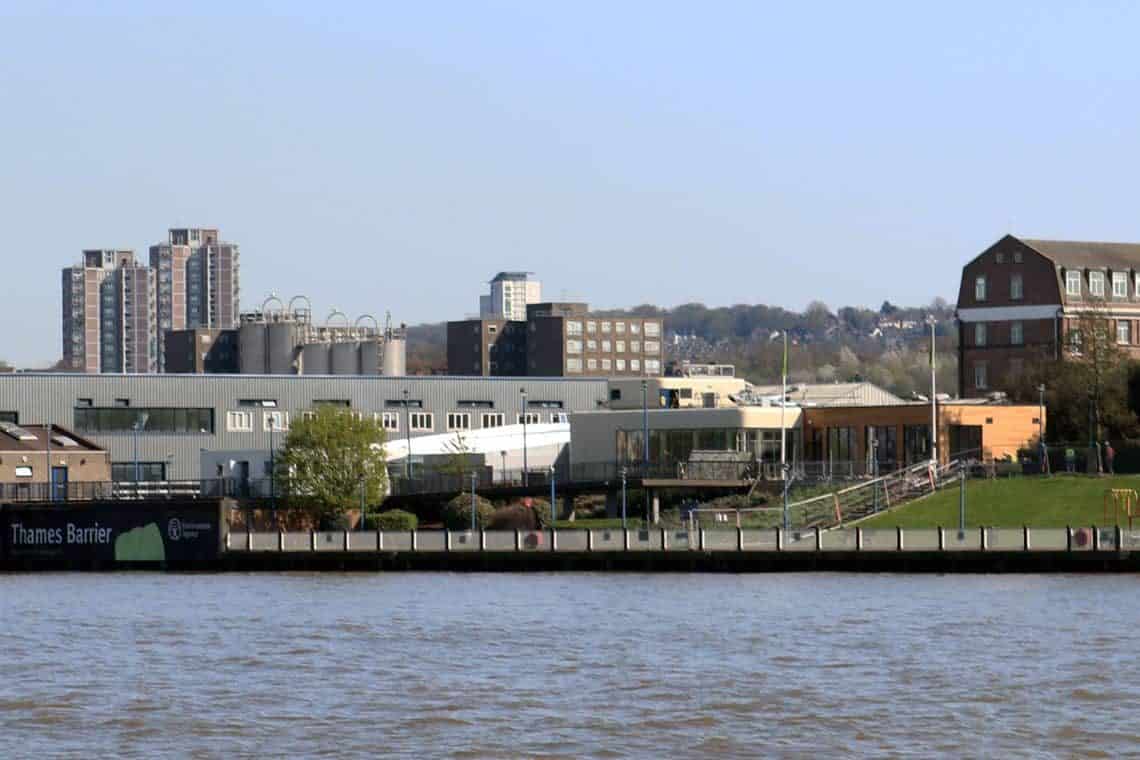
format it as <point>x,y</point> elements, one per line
<point>315,359</point>
<point>395,358</point>
<point>251,348</point>
<point>370,357</point>
<point>346,358</point>
<point>281,346</point>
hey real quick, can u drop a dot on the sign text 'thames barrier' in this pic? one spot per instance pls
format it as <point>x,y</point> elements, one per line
<point>114,532</point>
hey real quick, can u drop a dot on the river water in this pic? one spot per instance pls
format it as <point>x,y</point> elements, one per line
<point>569,665</point>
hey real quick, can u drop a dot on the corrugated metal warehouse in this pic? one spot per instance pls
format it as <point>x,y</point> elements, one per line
<point>186,414</point>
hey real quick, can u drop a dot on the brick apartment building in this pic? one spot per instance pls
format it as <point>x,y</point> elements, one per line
<point>108,314</point>
<point>556,340</point>
<point>1020,301</point>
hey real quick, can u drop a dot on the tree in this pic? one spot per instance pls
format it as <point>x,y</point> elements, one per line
<point>330,457</point>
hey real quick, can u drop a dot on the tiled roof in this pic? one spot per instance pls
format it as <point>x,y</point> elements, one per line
<point>1086,255</point>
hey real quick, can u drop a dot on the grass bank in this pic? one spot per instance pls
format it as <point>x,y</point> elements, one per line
<point>1038,502</point>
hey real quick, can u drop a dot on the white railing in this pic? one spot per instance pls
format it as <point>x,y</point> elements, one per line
<point>747,540</point>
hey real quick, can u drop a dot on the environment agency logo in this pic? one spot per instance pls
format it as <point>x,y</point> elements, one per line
<point>174,529</point>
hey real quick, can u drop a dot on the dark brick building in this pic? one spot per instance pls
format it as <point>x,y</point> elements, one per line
<point>556,340</point>
<point>1020,302</point>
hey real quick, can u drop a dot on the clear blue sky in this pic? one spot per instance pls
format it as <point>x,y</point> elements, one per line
<point>394,156</point>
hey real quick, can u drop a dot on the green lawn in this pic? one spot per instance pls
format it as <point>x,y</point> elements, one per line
<point>1038,502</point>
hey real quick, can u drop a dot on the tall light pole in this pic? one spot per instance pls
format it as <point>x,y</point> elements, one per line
<point>930,320</point>
<point>140,423</point>
<point>1041,428</point>
<point>623,498</point>
<point>553,513</point>
<point>644,428</point>
<point>522,393</point>
<point>407,438</point>
<point>50,477</point>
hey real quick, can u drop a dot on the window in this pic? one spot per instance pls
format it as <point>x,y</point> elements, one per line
<point>652,329</point>
<point>573,346</point>
<point>573,327</point>
<point>635,346</point>
<point>1096,284</point>
<point>388,420</point>
<point>491,419</point>
<point>606,346</point>
<point>1075,340</point>
<point>573,365</point>
<point>980,334</point>
<point>122,402</point>
<point>605,327</point>
<point>591,364</point>
<point>492,329</point>
<point>395,403</point>
<point>1015,287</point>
<point>652,367</point>
<point>635,328</point>
<point>591,345</point>
<point>620,365</point>
<point>1017,257</point>
<point>619,328</point>
<point>458,420</point>
<point>980,376</point>
<point>615,394</point>
<point>421,421</point>
<point>619,347</point>
<point>239,422</point>
<point>635,365</point>
<point>607,364</point>
<point>23,471</point>
<point>1073,283</point>
<point>1016,334</point>
<point>1123,332</point>
<point>530,418</point>
<point>560,418</point>
<point>999,257</point>
<point>652,347</point>
<point>264,403</point>
<point>980,288</point>
<point>275,421</point>
<point>1120,285</point>
<point>591,326</point>
<point>109,419</point>
<point>475,404</point>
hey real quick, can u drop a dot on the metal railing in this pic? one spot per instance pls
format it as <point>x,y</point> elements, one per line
<point>980,539</point>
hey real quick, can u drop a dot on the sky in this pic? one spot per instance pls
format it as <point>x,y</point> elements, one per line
<point>382,157</point>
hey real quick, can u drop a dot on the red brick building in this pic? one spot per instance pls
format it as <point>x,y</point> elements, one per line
<point>1020,300</point>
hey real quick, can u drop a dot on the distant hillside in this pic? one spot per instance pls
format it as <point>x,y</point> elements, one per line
<point>889,346</point>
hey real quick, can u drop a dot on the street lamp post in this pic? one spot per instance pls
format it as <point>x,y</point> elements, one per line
<point>1041,428</point>
<point>272,463</point>
<point>553,513</point>
<point>522,392</point>
<point>623,473</point>
<point>407,439</point>
<point>474,505</point>
<point>645,432</point>
<point>140,423</point>
<point>930,320</point>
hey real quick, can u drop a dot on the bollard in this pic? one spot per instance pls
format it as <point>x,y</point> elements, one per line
<point>1025,538</point>
<point>589,540</point>
<point>249,540</point>
<point>740,539</point>
<point>664,540</point>
<point>312,540</point>
<point>280,541</point>
<point>1119,534</point>
<point>625,538</point>
<point>858,539</point>
<point>1095,539</point>
<point>701,538</point>
<point>899,537</point>
<point>518,540</point>
<point>347,540</point>
<point>1068,538</point>
<point>941,539</point>
<point>447,540</point>
<point>379,540</point>
<point>779,540</point>
<point>819,539</point>
<point>227,540</point>
<point>553,540</point>
<point>482,540</point>
<point>414,547</point>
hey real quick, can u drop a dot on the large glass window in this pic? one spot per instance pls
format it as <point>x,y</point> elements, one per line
<point>1123,331</point>
<point>1073,283</point>
<point>1120,285</point>
<point>104,419</point>
<point>916,443</point>
<point>1096,284</point>
<point>841,444</point>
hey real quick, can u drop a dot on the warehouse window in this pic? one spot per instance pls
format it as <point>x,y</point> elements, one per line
<point>458,421</point>
<point>239,422</point>
<point>491,419</point>
<point>388,420</point>
<point>155,420</point>
<point>421,421</point>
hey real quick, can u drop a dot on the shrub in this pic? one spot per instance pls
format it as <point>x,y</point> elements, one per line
<point>514,517</point>
<point>393,519</point>
<point>457,512</point>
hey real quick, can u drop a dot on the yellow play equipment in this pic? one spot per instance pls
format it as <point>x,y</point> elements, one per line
<point>1123,500</point>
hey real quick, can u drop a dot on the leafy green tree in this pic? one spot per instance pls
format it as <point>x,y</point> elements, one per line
<point>329,457</point>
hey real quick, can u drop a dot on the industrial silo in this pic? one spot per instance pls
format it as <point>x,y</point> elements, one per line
<point>315,359</point>
<point>251,348</point>
<point>395,355</point>
<point>282,342</point>
<point>346,358</point>
<point>370,357</point>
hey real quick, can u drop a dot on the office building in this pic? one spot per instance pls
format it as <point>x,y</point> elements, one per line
<point>511,293</point>
<point>1022,301</point>
<point>198,280</point>
<point>557,340</point>
<point>108,314</point>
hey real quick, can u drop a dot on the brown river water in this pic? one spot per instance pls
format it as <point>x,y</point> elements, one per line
<point>569,665</point>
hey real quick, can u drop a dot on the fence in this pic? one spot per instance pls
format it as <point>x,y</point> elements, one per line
<point>985,539</point>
